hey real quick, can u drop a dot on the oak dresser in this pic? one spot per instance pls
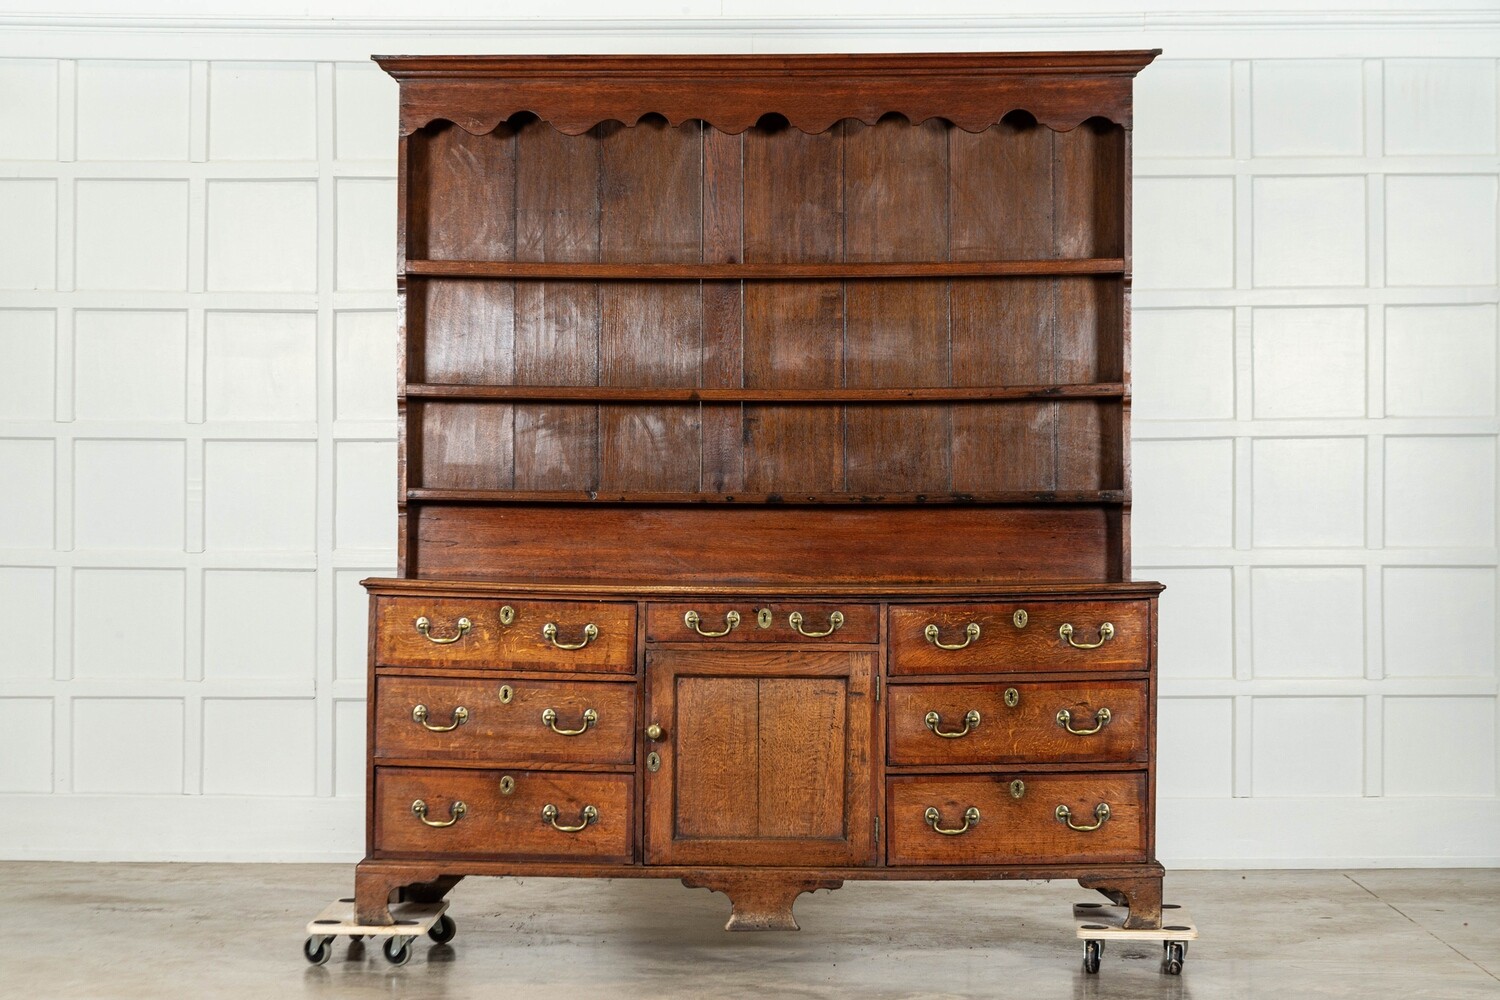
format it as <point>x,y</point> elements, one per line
<point>764,499</point>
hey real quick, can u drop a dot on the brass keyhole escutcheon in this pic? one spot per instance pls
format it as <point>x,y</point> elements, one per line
<point>653,762</point>
<point>1020,618</point>
<point>1012,697</point>
<point>1017,788</point>
<point>506,694</point>
<point>507,615</point>
<point>763,618</point>
<point>507,785</point>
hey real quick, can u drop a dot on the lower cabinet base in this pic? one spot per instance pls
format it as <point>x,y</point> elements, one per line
<point>761,898</point>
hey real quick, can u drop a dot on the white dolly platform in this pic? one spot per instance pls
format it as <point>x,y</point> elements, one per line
<point>1098,923</point>
<point>412,920</point>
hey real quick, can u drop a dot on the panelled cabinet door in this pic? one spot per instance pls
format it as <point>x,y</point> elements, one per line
<point>765,757</point>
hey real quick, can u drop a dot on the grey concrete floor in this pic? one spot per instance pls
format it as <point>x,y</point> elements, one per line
<point>105,931</point>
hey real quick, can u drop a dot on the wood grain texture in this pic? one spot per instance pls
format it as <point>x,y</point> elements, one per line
<point>650,334</point>
<point>556,322</point>
<point>490,644</point>
<point>665,622</point>
<point>758,548</point>
<point>1012,829</point>
<point>766,755</point>
<point>1027,732</point>
<point>1003,647</point>
<point>496,825</point>
<point>793,334</point>
<point>505,732</point>
<point>574,93</point>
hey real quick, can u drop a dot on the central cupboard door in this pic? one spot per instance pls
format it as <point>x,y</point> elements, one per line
<point>765,758</point>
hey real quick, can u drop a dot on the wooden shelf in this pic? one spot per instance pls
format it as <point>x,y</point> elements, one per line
<point>688,394</point>
<point>842,499</point>
<point>583,271</point>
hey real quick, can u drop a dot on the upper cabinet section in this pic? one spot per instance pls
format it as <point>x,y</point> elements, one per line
<point>731,93</point>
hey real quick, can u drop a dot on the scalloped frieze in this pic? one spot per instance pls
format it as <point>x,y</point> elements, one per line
<point>731,93</point>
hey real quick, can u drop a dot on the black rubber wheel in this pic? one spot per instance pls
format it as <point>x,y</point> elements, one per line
<point>1174,957</point>
<point>1092,950</point>
<point>442,932</point>
<point>397,949</point>
<point>317,950</point>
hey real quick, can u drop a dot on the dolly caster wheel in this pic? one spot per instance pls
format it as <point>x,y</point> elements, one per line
<point>397,950</point>
<point>1174,954</point>
<point>1092,950</point>
<point>442,932</point>
<point>317,950</point>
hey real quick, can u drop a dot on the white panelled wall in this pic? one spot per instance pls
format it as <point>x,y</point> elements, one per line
<point>197,424</point>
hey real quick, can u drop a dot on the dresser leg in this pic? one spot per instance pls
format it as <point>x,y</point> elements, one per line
<point>761,901</point>
<point>1142,894</point>
<point>377,886</point>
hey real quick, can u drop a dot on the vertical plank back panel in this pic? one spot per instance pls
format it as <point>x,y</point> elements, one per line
<point>794,211</point>
<point>651,333</point>
<point>557,322</point>
<point>896,332</point>
<point>723,308</point>
<point>1003,330</point>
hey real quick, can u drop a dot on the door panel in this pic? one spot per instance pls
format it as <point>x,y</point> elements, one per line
<point>766,757</point>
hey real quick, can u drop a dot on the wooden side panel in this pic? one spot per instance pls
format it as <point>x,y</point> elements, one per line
<point>557,322</point>
<point>802,754</point>
<point>651,333</point>
<point>1001,193</point>
<point>896,332</point>
<point>794,211</point>
<point>762,546</point>
<point>716,769</point>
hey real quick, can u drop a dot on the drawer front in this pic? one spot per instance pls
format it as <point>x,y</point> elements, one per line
<point>1004,723</point>
<point>505,813</point>
<point>762,621</point>
<point>1016,829</point>
<point>1020,635</point>
<point>431,632</point>
<point>505,720</point>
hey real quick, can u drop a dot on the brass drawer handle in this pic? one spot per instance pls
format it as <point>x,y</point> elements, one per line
<point>971,721</point>
<point>1101,719</point>
<point>694,621</point>
<point>424,625</point>
<point>590,633</point>
<point>971,633</point>
<point>1106,633</point>
<point>460,716</point>
<point>971,817</point>
<point>1065,815</point>
<point>549,719</point>
<point>549,814</point>
<point>455,813</point>
<point>835,622</point>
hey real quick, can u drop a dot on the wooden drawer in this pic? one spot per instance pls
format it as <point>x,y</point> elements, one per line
<point>504,819</point>
<point>429,632</point>
<point>669,622</point>
<point>1015,723</point>
<point>1020,635</point>
<point>1011,829</point>
<point>513,731</point>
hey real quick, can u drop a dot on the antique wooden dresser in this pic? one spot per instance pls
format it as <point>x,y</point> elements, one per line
<point>764,499</point>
